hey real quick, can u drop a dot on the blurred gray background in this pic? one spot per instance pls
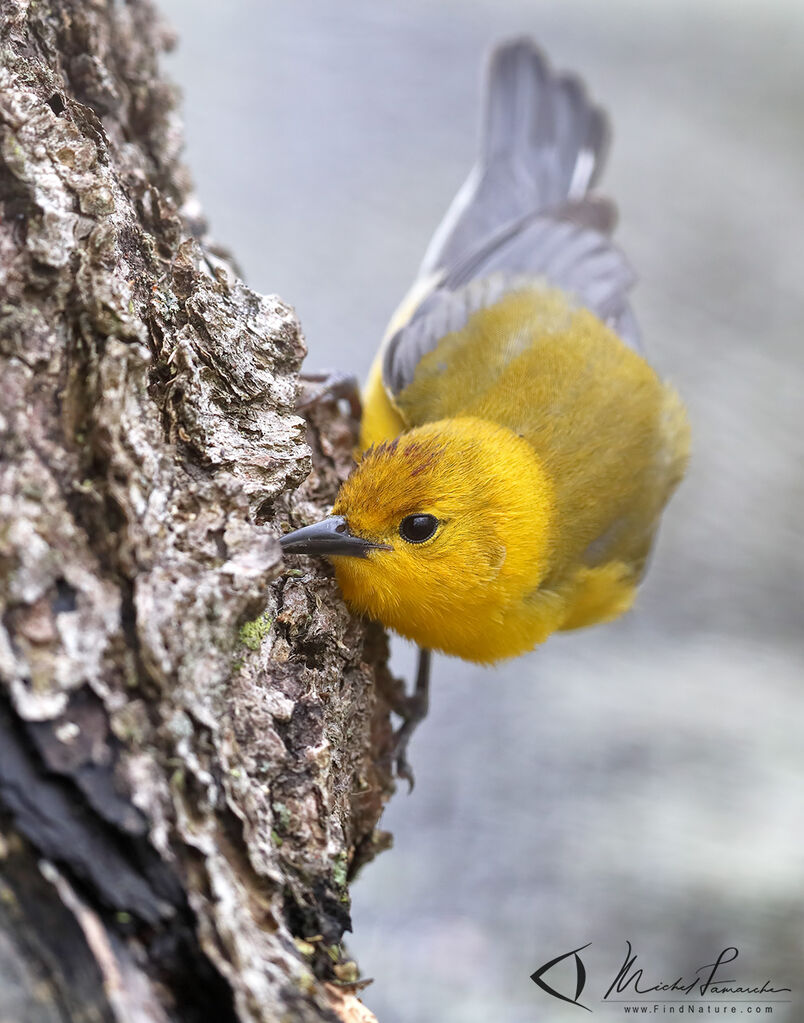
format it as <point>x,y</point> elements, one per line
<point>642,780</point>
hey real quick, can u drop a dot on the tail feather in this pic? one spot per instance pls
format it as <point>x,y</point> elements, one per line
<point>543,144</point>
<point>525,214</point>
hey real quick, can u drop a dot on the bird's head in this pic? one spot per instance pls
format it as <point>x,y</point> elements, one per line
<point>449,522</point>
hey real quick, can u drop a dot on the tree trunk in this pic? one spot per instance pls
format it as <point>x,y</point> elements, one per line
<point>193,740</point>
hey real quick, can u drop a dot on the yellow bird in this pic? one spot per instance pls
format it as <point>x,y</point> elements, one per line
<point>518,450</point>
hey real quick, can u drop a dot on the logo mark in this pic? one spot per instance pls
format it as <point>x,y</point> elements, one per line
<point>580,977</point>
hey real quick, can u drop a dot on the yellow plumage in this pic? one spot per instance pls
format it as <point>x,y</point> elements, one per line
<point>547,449</point>
<point>518,450</point>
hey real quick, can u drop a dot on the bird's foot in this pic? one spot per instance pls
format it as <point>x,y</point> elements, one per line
<point>412,709</point>
<point>329,386</point>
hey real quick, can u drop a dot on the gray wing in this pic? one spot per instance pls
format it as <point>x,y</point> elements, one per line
<point>524,214</point>
<point>581,262</point>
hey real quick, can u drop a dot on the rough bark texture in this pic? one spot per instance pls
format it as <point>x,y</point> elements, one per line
<point>192,738</point>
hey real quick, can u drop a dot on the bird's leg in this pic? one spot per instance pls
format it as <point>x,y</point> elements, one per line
<point>412,710</point>
<point>332,386</point>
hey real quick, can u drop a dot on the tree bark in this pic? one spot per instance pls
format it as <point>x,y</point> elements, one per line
<point>193,739</point>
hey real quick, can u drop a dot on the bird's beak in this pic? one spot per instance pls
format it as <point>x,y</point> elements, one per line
<point>330,536</point>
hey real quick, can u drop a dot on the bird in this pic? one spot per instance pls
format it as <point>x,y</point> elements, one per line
<point>516,449</point>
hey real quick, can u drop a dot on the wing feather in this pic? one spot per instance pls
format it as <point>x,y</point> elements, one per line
<point>524,217</point>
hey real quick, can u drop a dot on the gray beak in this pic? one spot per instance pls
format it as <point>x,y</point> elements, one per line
<point>330,536</point>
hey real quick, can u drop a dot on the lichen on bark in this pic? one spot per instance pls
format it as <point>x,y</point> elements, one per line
<point>193,741</point>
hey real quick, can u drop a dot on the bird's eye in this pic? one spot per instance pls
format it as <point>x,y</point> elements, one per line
<point>418,528</point>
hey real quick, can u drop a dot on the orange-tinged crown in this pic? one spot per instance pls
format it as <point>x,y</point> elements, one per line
<point>493,503</point>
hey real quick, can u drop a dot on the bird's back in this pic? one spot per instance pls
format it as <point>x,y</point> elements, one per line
<point>524,215</point>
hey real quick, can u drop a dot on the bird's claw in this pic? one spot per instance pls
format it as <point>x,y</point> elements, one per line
<point>412,709</point>
<point>399,756</point>
<point>332,386</point>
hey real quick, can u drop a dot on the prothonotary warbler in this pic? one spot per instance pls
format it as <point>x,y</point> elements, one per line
<point>518,450</point>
